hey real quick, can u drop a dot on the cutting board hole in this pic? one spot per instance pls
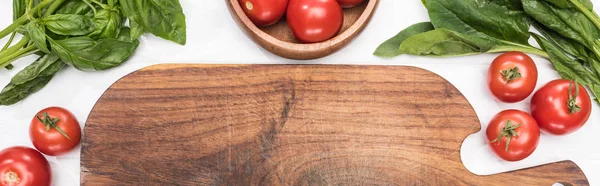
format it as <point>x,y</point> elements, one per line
<point>562,184</point>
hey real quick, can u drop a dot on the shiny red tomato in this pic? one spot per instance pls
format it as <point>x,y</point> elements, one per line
<point>513,135</point>
<point>512,77</point>
<point>264,12</point>
<point>24,166</point>
<point>349,3</point>
<point>314,21</point>
<point>560,108</point>
<point>54,131</point>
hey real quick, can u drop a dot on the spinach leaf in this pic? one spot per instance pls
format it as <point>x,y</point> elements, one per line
<point>69,24</point>
<point>74,7</point>
<point>510,4</point>
<point>567,67</point>
<point>30,80</point>
<point>569,23</point>
<point>441,42</point>
<point>43,66</point>
<point>136,29</point>
<point>569,46</point>
<point>19,7</point>
<point>163,18</point>
<point>480,19</point>
<point>85,53</point>
<point>391,47</point>
<point>37,33</point>
<point>567,3</point>
<point>108,24</point>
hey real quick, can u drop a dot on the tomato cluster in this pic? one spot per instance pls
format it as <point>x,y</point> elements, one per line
<point>559,107</point>
<point>53,131</point>
<point>310,21</point>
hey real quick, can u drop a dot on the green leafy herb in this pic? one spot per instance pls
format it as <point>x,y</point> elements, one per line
<point>85,53</point>
<point>85,34</point>
<point>69,24</point>
<point>75,7</point>
<point>391,47</point>
<point>19,7</point>
<point>136,29</point>
<point>163,18</point>
<point>108,24</point>
<point>30,80</point>
<point>442,42</point>
<point>37,33</point>
<point>567,67</point>
<point>476,18</point>
<point>569,23</point>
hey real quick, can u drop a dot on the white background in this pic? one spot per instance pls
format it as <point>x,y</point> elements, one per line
<point>213,37</point>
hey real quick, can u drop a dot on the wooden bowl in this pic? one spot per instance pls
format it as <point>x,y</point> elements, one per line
<point>279,40</point>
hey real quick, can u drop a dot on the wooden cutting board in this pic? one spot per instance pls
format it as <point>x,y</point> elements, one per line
<point>288,125</point>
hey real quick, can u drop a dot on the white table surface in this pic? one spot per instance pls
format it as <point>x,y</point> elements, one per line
<point>213,37</point>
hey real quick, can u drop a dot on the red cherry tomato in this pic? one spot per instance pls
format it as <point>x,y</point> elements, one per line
<point>559,108</point>
<point>520,128</point>
<point>54,131</point>
<point>349,3</point>
<point>23,166</point>
<point>314,21</point>
<point>512,77</point>
<point>264,12</point>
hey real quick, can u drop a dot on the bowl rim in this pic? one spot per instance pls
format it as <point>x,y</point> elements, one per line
<point>339,38</point>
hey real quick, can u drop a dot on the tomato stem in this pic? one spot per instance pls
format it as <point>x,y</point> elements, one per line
<point>50,122</point>
<point>508,131</point>
<point>510,74</point>
<point>572,102</point>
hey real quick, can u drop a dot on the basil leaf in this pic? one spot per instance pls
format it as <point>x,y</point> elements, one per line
<point>480,19</point>
<point>442,42</point>
<point>567,67</point>
<point>569,23</point>
<point>391,47</point>
<point>43,66</point>
<point>69,24</point>
<point>19,7</point>
<point>85,53</point>
<point>136,29</point>
<point>125,35</point>
<point>163,18</point>
<point>37,33</point>
<point>30,80</point>
<point>74,7</point>
<point>108,24</point>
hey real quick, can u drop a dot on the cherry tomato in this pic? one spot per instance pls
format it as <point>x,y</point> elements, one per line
<point>314,21</point>
<point>54,131</point>
<point>513,135</point>
<point>512,77</point>
<point>560,108</point>
<point>264,12</point>
<point>24,166</point>
<point>349,3</point>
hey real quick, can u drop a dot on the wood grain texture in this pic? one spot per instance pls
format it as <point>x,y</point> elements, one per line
<point>279,40</point>
<point>288,125</point>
